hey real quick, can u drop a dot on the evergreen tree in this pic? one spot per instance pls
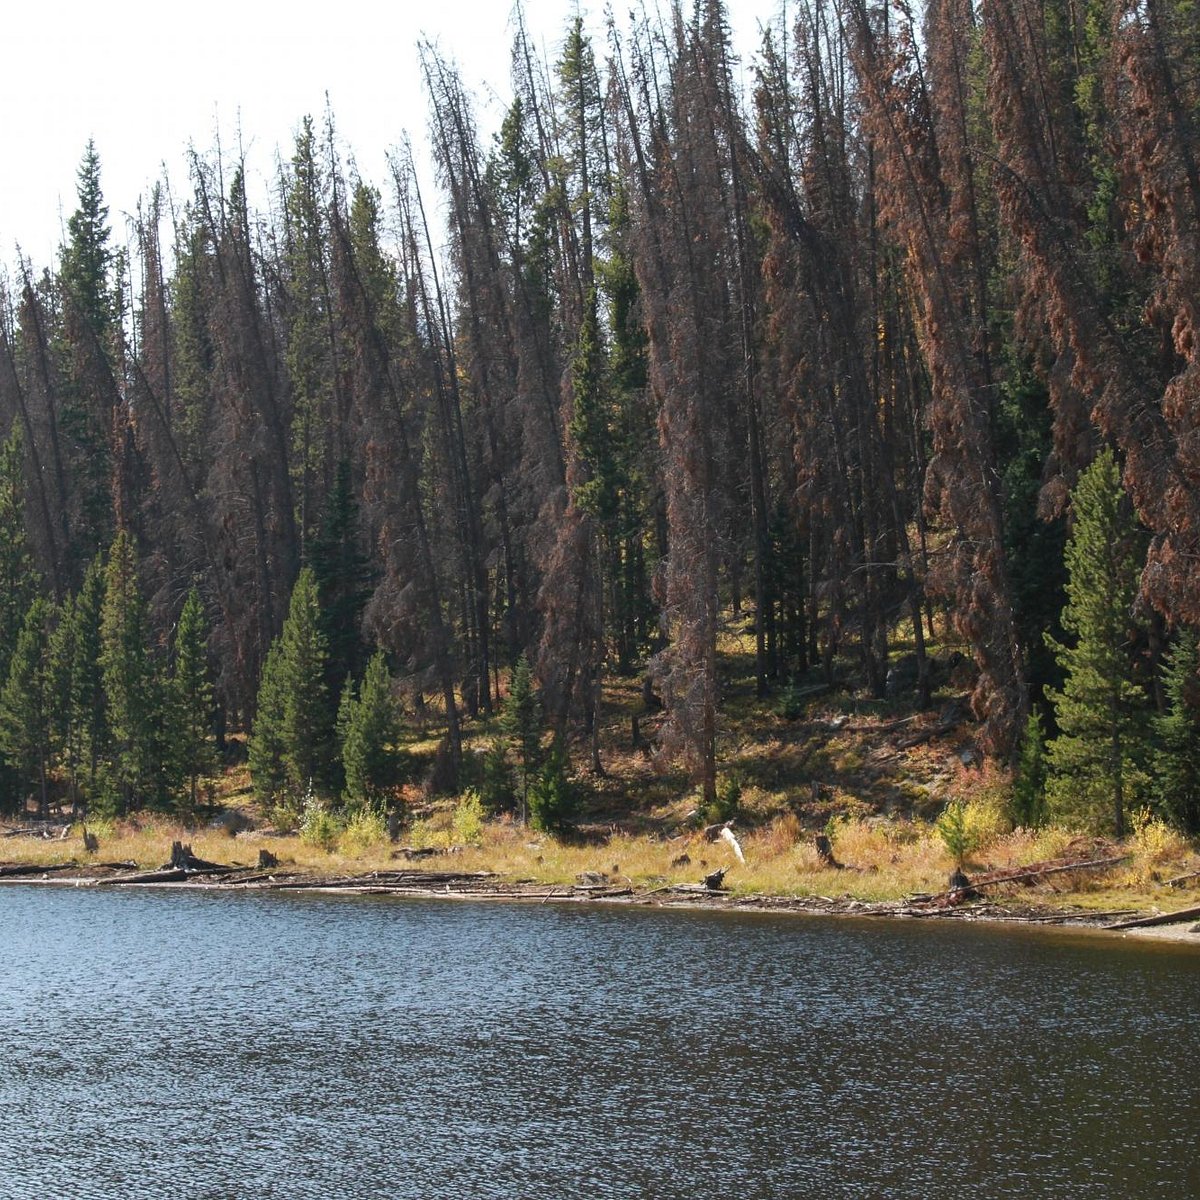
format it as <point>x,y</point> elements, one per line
<point>368,727</point>
<point>496,782</point>
<point>1029,782</point>
<point>342,572</point>
<point>25,706</point>
<point>309,346</point>
<point>18,582</point>
<point>1178,761</point>
<point>307,721</point>
<point>87,258</point>
<point>521,721</point>
<point>131,687</point>
<point>86,351</point>
<point>268,774</point>
<point>65,731</point>
<point>192,699</point>
<point>79,671</point>
<point>552,799</point>
<point>1097,761</point>
<point>292,741</point>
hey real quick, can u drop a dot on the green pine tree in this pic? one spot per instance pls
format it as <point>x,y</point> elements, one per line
<point>87,258</point>
<point>307,721</point>
<point>192,700</point>
<point>26,701</point>
<point>76,655</point>
<point>86,349</point>
<point>1097,763</point>
<point>18,581</point>
<point>552,799</point>
<point>63,730</point>
<point>131,687</point>
<point>1178,762</point>
<point>268,775</point>
<point>369,728</point>
<point>521,721</point>
<point>1029,780</point>
<point>496,790</point>
<point>292,742</point>
<point>307,357</point>
<point>342,572</point>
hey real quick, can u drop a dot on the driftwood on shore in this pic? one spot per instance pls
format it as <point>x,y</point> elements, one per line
<point>170,875</point>
<point>589,886</point>
<point>46,830</point>
<point>13,870</point>
<point>1171,918</point>
<point>1180,880</point>
<point>1026,875</point>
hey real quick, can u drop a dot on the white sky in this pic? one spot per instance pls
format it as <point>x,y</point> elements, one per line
<point>146,78</point>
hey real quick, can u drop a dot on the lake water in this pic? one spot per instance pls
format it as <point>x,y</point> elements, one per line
<point>292,1047</point>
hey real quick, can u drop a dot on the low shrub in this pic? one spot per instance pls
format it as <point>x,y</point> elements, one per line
<point>318,826</point>
<point>728,801</point>
<point>365,827</point>
<point>958,837</point>
<point>469,817</point>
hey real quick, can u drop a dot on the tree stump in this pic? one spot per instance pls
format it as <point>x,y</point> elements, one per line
<point>960,887</point>
<point>715,879</point>
<point>824,849</point>
<point>266,859</point>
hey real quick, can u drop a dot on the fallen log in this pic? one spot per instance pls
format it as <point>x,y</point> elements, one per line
<point>952,716</point>
<point>885,727</point>
<point>1171,918</point>
<point>50,832</point>
<point>13,870</point>
<point>1028,873</point>
<point>1180,880</point>
<point>398,880</point>
<point>173,875</point>
<point>927,735</point>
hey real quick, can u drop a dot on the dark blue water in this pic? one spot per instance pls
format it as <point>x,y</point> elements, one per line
<point>271,1046</point>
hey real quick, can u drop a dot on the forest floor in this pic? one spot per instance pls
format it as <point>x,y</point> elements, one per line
<point>870,775</point>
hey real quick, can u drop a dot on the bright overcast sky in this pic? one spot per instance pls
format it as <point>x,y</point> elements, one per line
<point>146,79</point>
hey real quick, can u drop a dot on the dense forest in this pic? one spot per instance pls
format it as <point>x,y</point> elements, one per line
<point>904,337</point>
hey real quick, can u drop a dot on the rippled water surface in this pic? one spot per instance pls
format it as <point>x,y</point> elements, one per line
<point>284,1046</point>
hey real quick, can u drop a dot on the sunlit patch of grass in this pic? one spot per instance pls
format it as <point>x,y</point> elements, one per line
<point>881,859</point>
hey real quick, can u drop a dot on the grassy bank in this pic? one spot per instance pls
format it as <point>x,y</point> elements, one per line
<point>881,859</point>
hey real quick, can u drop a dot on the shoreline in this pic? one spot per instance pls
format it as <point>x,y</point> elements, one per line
<point>485,886</point>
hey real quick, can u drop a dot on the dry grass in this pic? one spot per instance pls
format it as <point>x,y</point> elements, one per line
<point>882,859</point>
